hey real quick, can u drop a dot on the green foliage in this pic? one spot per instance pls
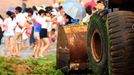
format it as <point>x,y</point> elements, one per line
<point>3,59</point>
<point>82,23</point>
<point>58,72</point>
<point>40,66</point>
<point>5,67</point>
<point>15,60</point>
<point>78,24</point>
<point>44,66</point>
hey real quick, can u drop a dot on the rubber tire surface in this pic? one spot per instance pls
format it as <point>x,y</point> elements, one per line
<point>121,36</point>
<point>98,22</point>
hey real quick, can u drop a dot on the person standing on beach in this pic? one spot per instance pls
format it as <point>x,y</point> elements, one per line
<point>38,21</point>
<point>9,25</point>
<point>21,19</point>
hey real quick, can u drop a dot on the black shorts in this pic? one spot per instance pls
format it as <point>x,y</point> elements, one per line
<point>43,33</point>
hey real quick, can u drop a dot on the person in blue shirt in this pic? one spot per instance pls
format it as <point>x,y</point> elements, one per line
<point>70,20</point>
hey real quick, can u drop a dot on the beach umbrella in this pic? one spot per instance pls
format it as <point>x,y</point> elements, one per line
<point>74,10</point>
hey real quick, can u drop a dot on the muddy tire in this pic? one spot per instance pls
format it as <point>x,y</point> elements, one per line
<point>121,36</point>
<point>97,44</point>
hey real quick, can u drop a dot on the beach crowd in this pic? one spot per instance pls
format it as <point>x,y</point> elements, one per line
<point>34,28</point>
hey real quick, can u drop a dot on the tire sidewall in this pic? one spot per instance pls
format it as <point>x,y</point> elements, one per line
<point>97,23</point>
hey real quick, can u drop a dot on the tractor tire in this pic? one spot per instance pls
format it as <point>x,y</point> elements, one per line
<point>121,47</point>
<point>97,44</point>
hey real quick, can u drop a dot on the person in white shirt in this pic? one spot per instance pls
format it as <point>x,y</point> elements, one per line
<point>44,36</point>
<point>27,27</point>
<point>38,22</point>
<point>32,40</point>
<point>47,18</point>
<point>60,18</point>
<point>9,25</point>
<point>88,14</point>
<point>21,19</point>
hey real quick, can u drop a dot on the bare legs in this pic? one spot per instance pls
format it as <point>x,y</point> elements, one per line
<point>45,43</point>
<point>18,41</point>
<point>6,46</point>
<point>36,48</point>
<point>9,41</point>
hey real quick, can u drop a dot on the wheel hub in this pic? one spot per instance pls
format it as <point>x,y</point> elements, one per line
<point>96,46</point>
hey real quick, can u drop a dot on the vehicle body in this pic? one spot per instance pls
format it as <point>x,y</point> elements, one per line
<point>72,48</point>
<point>110,41</point>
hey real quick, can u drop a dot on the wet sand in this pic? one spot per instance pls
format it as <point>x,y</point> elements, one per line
<point>27,53</point>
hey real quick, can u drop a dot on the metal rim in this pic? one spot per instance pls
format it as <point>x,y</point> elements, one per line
<point>96,46</point>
